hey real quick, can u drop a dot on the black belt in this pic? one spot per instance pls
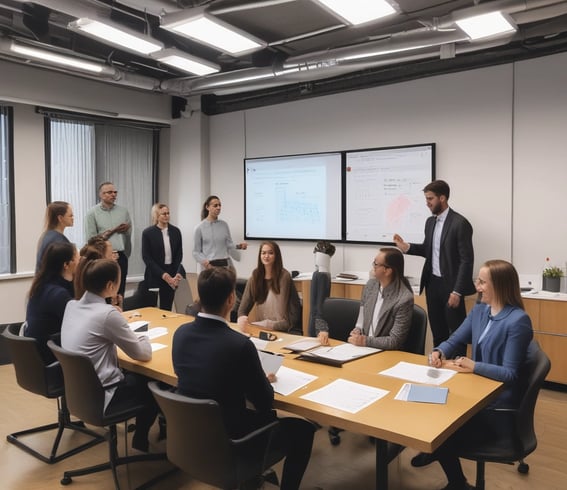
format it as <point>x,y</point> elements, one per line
<point>219,262</point>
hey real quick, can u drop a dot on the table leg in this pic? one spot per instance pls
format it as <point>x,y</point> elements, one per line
<point>381,464</point>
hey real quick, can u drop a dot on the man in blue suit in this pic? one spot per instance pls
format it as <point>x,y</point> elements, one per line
<point>449,259</point>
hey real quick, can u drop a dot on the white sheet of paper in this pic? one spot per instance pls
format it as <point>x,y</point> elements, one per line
<point>137,324</point>
<point>290,380</point>
<point>346,395</point>
<point>259,343</point>
<point>418,373</point>
<point>261,323</point>
<point>157,346</point>
<point>270,362</point>
<point>303,344</point>
<point>343,352</point>
<point>403,393</point>
<point>154,333</point>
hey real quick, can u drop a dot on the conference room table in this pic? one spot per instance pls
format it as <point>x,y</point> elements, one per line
<point>421,426</point>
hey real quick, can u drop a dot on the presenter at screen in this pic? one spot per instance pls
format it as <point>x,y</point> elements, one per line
<point>449,257</point>
<point>270,291</point>
<point>212,244</point>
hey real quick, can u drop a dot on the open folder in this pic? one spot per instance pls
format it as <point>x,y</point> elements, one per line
<point>423,393</point>
<point>337,355</point>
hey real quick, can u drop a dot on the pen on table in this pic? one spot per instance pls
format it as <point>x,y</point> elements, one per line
<point>169,316</point>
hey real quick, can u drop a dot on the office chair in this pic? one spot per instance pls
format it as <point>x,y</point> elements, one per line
<point>415,342</point>
<point>46,380</point>
<point>341,315</point>
<point>85,397</point>
<point>183,296</point>
<point>198,443</point>
<point>522,441</point>
<point>141,298</point>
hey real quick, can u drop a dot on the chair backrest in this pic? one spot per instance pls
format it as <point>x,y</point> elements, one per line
<point>141,298</point>
<point>31,372</point>
<point>341,315</point>
<point>415,342</point>
<point>536,368</point>
<point>83,390</point>
<point>197,441</point>
<point>183,296</point>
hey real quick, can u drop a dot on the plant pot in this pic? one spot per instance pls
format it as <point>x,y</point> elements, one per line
<point>551,284</point>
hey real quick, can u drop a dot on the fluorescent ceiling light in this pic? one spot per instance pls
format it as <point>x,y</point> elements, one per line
<point>57,59</point>
<point>359,11</point>
<point>485,25</point>
<point>118,36</point>
<point>212,31</point>
<point>186,62</point>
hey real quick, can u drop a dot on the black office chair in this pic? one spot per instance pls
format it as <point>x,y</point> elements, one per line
<point>46,380</point>
<point>415,342</point>
<point>141,298</point>
<point>197,442</point>
<point>85,397</point>
<point>522,441</point>
<point>341,315</point>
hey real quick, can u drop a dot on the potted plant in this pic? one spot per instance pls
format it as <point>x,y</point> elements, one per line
<point>552,278</point>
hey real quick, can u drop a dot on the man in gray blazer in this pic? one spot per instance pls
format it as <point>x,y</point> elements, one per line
<point>449,258</point>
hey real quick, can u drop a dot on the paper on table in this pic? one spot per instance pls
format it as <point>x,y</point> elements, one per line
<point>422,393</point>
<point>157,346</point>
<point>303,344</point>
<point>290,380</point>
<point>418,373</point>
<point>270,362</point>
<point>343,352</point>
<point>259,343</point>
<point>261,323</point>
<point>154,333</point>
<point>140,325</point>
<point>346,395</point>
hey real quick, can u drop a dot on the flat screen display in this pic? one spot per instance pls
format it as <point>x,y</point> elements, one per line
<point>295,197</point>
<point>384,193</point>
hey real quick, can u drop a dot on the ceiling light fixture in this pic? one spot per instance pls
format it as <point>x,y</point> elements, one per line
<point>57,59</point>
<point>118,36</point>
<point>357,12</point>
<point>486,25</point>
<point>186,62</point>
<point>209,30</point>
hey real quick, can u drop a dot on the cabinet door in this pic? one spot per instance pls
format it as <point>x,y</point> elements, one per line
<point>553,317</point>
<point>555,347</point>
<point>532,307</point>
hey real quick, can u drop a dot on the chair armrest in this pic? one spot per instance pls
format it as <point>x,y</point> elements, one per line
<point>252,435</point>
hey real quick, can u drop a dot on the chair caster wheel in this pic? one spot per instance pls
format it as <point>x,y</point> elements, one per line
<point>335,440</point>
<point>523,468</point>
<point>66,480</point>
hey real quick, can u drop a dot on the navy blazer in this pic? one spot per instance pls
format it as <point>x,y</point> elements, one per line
<point>456,256</point>
<point>153,253</point>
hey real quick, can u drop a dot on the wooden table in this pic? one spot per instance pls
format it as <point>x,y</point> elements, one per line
<point>417,425</point>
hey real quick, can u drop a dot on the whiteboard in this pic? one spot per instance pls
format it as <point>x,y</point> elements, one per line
<point>384,193</point>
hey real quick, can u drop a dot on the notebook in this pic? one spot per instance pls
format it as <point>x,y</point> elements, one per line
<point>427,394</point>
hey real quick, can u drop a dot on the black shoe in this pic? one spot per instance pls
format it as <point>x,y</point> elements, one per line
<point>422,459</point>
<point>459,486</point>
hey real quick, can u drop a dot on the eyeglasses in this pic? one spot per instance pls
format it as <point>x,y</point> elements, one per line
<point>110,192</point>
<point>375,264</point>
<point>480,281</point>
<point>164,214</point>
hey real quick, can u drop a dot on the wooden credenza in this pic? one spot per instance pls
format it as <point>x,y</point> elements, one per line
<point>549,321</point>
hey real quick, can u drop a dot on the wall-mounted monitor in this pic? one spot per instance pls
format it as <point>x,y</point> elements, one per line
<point>384,192</point>
<point>295,197</point>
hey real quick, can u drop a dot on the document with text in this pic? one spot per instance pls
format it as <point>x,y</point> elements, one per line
<point>418,373</point>
<point>290,380</point>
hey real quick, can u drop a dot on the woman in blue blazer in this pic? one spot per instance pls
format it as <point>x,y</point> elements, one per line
<point>499,331</point>
<point>162,252</point>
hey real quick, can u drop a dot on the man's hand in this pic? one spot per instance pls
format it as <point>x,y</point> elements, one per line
<point>399,241</point>
<point>454,300</point>
<point>323,338</point>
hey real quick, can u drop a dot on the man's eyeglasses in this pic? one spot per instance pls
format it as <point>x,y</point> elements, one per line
<point>376,264</point>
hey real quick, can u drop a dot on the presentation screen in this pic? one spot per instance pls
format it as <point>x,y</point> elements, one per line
<point>384,193</point>
<point>297,197</point>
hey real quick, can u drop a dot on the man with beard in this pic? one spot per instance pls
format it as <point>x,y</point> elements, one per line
<point>448,269</point>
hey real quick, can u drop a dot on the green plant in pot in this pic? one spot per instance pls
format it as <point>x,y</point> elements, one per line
<point>552,278</point>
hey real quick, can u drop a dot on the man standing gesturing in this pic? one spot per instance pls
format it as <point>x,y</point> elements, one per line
<point>113,223</point>
<point>449,257</point>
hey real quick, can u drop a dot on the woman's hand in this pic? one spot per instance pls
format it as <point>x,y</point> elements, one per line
<point>271,377</point>
<point>357,338</point>
<point>323,338</point>
<point>435,359</point>
<point>461,364</point>
<point>242,322</point>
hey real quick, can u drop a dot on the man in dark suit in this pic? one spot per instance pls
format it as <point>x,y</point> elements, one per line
<point>449,257</point>
<point>213,361</point>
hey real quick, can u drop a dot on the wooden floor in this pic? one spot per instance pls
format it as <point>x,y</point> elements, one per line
<point>347,466</point>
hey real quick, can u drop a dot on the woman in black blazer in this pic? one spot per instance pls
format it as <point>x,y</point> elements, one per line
<point>162,252</point>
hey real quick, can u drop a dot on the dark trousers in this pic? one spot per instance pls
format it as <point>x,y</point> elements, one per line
<point>442,319</point>
<point>166,292</point>
<point>133,390</point>
<point>123,263</point>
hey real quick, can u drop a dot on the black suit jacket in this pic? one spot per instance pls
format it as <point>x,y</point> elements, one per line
<point>456,255</point>
<point>213,361</point>
<point>153,253</point>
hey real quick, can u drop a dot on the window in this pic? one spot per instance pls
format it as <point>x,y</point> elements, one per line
<point>7,258</point>
<point>85,153</point>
